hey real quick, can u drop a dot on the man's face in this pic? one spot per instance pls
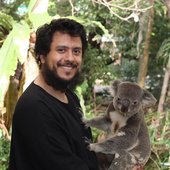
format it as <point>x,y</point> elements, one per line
<point>63,62</point>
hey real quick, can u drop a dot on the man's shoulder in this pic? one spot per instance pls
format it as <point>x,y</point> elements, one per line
<point>29,97</point>
<point>72,95</point>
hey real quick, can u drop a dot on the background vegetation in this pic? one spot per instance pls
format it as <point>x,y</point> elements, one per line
<point>128,40</point>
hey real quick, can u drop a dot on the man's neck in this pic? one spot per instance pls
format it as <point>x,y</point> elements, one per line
<point>60,95</point>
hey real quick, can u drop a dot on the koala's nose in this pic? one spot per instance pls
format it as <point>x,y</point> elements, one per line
<point>125,105</point>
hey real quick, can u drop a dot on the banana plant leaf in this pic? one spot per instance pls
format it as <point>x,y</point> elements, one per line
<point>16,45</point>
<point>14,48</point>
<point>38,13</point>
<point>39,19</point>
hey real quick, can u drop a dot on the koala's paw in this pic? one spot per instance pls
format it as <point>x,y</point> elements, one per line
<point>90,145</point>
<point>95,147</point>
<point>86,122</point>
<point>87,140</point>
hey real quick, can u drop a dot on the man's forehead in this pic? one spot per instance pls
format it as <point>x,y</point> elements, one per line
<point>64,39</point>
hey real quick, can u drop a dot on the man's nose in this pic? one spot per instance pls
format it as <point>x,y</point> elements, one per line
<point>69,55</point>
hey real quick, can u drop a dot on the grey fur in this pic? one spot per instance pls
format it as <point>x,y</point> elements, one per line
<point>127,136</point>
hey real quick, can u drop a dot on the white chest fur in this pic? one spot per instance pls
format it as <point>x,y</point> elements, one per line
<point>117,120</point>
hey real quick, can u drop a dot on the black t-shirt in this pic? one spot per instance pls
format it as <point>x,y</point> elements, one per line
<point>48,134</point>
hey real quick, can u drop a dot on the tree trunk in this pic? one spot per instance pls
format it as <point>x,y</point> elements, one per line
<point>167,4</point>
<point>143,67</point>
<point>164,88</point>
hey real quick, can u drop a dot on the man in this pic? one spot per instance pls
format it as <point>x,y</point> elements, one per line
<point>47,132</point>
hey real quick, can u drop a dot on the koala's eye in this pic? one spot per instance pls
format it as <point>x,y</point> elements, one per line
<point>135,102</point>
<point>118,99</point>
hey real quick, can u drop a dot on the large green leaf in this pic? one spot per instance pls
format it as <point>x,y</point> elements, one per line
<point>14,48</point>
<point>39,17</point>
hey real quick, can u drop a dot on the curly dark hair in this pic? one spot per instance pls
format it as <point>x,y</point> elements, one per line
<point>44,35</point>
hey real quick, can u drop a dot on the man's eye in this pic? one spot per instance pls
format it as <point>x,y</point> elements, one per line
<point>77,52</point>
<point>61,51</point>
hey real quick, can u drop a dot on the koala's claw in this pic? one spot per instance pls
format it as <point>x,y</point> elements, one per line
<point>87,140</point>
<point>85,122</point>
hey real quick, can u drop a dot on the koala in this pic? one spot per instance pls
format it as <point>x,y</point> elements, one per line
<point>127,140</point>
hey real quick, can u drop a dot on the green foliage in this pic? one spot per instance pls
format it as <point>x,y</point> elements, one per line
<point>11,8</point>
<point>154,78</point>
<point>161,27</point>
<point>61,8</point>
<point>95,67</point>
<point>129,70</point>
<point>4,153</point>
<point>159,131</point>
<point>164,51</point>
<point>6,22</point>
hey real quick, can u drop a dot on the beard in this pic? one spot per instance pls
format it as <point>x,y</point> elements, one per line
<point>52,79</point>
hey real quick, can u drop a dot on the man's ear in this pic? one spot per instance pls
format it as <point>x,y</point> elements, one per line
<point>42,59</point>
<point>148,100</point>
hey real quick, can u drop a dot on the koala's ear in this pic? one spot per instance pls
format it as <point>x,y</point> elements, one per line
<point>148,100</point>
<point>114,86</point>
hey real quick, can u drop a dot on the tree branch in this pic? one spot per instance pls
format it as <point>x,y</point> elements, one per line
<point>72,7</point>
<point>134,8</point>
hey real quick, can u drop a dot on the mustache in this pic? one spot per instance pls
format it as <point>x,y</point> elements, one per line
<point>68,64</point>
